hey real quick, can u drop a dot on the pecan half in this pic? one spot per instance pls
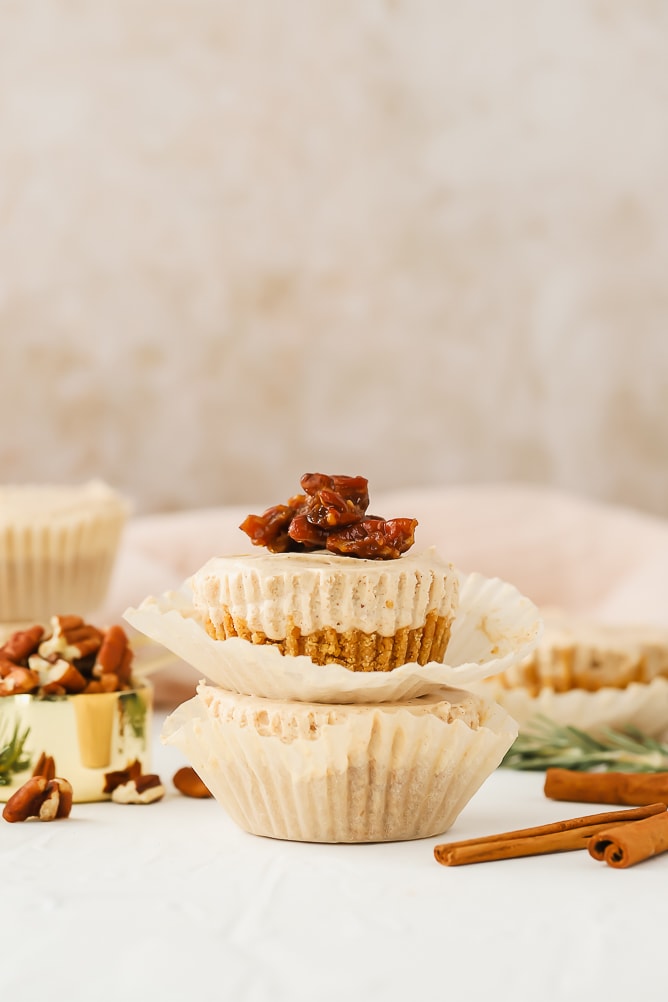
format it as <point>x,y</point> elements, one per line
<point>41,798</point>
<point>19,681</point>
<point>63,677</point>
<point>114,655</point>
<point>374,538</point>
<point>22,643</point>
<point>142,790</point>
<point>189,783</point>
<point>45,766</point>
<point>71,638</point>
<point>121,776</point>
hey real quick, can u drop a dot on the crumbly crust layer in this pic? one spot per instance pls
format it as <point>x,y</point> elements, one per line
<point>576,655</point>
<point>353,649</point>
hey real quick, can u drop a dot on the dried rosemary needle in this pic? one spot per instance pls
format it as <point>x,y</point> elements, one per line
<point>543,744</point>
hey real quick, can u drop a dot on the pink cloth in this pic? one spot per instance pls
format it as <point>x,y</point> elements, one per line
<point>597,561</point>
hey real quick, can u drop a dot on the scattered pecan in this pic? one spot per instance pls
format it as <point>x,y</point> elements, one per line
<point>120,776</point>
<point>131,786</point>
<point>42,798</point>
<point>189,783</point>
<point>142,790</point>
<point>331,514</point>
<point>45,766</point>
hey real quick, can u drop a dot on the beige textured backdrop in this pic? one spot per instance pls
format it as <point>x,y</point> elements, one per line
<point>422,241</point>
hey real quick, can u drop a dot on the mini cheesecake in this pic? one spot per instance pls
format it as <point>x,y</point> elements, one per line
<point>368,615</point>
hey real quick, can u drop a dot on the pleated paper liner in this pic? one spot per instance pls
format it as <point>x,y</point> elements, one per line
<point>57,553</point>
<point>495,627</point>
<point>341,773</point>
<point>641,704</point>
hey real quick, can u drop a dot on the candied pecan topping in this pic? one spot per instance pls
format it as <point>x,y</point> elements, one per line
<point>355,489</point>
<point>331,514</point>
<point>374,538</point>
<point>307,534</point>
<point>271,528</point>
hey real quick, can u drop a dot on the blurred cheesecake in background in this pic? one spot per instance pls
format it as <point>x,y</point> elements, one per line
<point>58,545</point>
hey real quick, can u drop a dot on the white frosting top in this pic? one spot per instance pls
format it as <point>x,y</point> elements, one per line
<point>27,503</point>
<point>290,720</point>
<point>319,589</point>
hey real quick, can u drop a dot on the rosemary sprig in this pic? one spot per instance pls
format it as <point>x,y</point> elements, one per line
<point>544,743</point>
<point>12,758</point>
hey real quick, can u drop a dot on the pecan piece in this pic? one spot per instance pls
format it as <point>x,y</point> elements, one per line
<point>45,766</point>
<point>374,538</point>
<point>63,677</point>
<point>120,776</point>
<point>109,682</point>
<point>271,528</point>
<point>19,681</point>
<point>42,798</point>
<point>142,790</point>
<point>6,665</point>
<point>71,638</point>
<point>355,489</point>
<point>21,644</point>
<point>307,534</point>
<point>330,510</point>
<point>189,783</point>
<point>114,656</point>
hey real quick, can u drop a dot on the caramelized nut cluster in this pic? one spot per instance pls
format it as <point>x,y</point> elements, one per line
<point>70,658</point>
<point>331,514</point>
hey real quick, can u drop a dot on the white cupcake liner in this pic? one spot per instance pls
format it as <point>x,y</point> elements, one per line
<point>495,627</point>
<point>365,773</point>
<point>60,559</point>
<point>642,705</point>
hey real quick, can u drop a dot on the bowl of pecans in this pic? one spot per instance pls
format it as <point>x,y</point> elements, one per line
<point>71,691</point>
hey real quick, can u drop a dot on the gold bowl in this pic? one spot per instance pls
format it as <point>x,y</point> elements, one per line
<point>87,735</point>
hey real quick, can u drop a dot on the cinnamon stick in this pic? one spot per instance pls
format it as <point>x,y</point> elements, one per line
<point>633,789</point>
<point>629,844</point>
<point>560,836</point>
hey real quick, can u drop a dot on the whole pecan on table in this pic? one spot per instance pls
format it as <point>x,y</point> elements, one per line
<point>187,782</point>
<point>131,786</point>
<point>44,796</point>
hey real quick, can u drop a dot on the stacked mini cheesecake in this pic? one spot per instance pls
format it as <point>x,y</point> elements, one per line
<point>340,770</point>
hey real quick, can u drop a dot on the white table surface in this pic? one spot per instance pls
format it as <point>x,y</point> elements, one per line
<point>173,901</point>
